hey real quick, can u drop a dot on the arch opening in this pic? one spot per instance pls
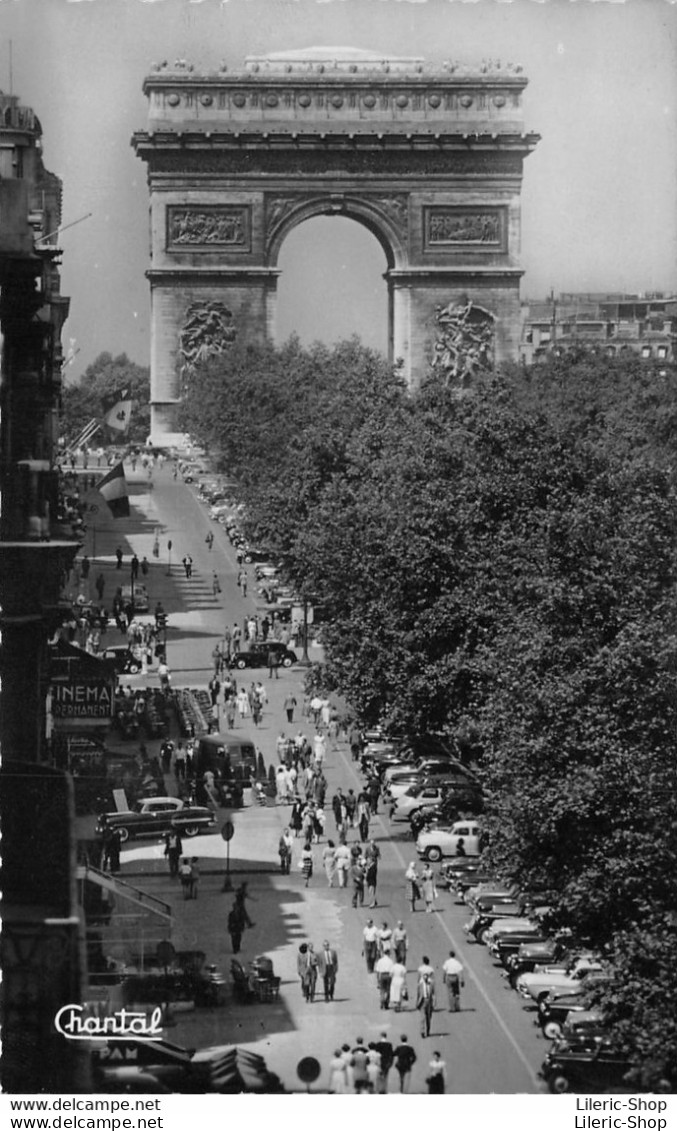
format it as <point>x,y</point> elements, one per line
<point>331,284</point>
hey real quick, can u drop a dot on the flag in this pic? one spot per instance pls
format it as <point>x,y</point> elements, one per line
<point>113,487</point>
<point>117,409</point>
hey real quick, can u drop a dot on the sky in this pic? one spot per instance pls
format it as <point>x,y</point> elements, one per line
<point>599,194</point>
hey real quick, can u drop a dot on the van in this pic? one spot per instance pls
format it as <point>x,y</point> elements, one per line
<point>228,755</point>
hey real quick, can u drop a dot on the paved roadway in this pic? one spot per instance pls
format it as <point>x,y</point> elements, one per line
<point>492,1046</point>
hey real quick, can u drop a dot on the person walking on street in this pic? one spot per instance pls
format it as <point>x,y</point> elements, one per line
<point>209,540</point>
<point>384,972</point>
<point>327,963</point>
<point>241,896</point>
<point>289,704</point>
<point>188,566</point>
<point>145,566</point>
<point>216,584</point>
<point>194,877</point>
<point>119,556</point>
<point>387,1053</point>
<point>134,567</point>
<point>453,979</point>
<point>370,945</point>
<point>306,965</point>
<point>398,986</point>
<point>405,1059</point>
<point>273,663</point>
<point>425,995</point>
<point>428,888</point>
<point>307,862</point>
<point>180,763</point>
<point>173,850</point>
<point>185,872</point>
<point>360,1061</point>
<point>342,859</point>
<point>413,890</point>
<point>214,688</point>
<point>357,877</point>
<point>100,585</point>
<point>285,851</point>
<point>329,862</point>
<point>436,1078</point>
<point>400,943</point>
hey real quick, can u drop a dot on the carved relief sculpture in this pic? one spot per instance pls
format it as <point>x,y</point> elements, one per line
<point>464,345</point>
<point>451,225</point>
<point>207,332</point>
<point>207,227</point>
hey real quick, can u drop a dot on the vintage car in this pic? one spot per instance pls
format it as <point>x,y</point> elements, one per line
<point>435,843</point>
<point>136,595</point>
<point>539,983</point>
<point>123,658</point>
<point>155,816</point>
<point>587,1065</point>
<point>257,656</point>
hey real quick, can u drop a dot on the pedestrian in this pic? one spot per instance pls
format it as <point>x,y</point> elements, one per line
<point>241,897</point>
<point>428,888</point>
<point>360,1061</point>
<point>164,674</point>
<point>327,962</point>
<point>134,567</point>
<point>357,877</point>
<point>363,821</point>
<point>307,862</point>
<point>185,875</point>
<point>385,940</point>
<point>329,862</point>
<point>453,979</point>
<point>119,556</point>
<point>384,1047</point>
<point>285,851</point>
<point>289,704</point>
<point>209,540</point>
<point>400,943</point>
<point>145,566</point>
<point>273,663</point>
<point>112,845</point>
<point>166,751</point>
<point>370,945</point>
<point>398,986</point>
<point>404,1059</point>
<point>338,1083</point>
<point>306,964</point>
<point>194,877</point>
<point>216,584</point>
<point>180,763</point>
<point>351,805</point>
<point>243,703</point>
<point>187,562</point>
<point>384,972</point>
<point>342,860</point>
<point>214,688</point>
<point>425,995</point>
<point>436,1078</point>
<point>100,585</point>
<point>235,928</point>
<point>373,1069</point>
<point>413,890</point>
<point>173,850</point>
<point>85,567</point>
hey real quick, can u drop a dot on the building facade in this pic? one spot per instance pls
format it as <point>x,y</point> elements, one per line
<point>645,325</point>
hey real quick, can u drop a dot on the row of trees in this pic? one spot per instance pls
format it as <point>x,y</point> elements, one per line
<point>499,566</point>
<point>81,400</point>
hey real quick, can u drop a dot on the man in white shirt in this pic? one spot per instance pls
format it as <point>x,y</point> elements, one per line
<point>384,973</point>
<point>370,945</point>
<point>453,978</point>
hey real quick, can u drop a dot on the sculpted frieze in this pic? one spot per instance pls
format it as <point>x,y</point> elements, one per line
<point>207,227</point>
<point>464,342</point>
<point>448,226</point>
<point>257,160</point>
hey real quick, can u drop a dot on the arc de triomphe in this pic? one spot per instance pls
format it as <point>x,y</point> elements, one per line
<point>429,160</point>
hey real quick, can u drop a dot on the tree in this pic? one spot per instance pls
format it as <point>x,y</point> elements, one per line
<point>81,402</point>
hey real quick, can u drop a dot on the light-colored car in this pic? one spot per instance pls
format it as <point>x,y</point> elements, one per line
<point>434,843</point>
<point>539,983</point>
<point>502,927</point>
<point>399,785</point>
<point>415,797</point>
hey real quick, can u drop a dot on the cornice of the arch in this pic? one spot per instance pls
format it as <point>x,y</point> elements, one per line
<point>384,214</point>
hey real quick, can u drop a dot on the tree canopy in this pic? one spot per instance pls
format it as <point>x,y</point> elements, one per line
<point>81,401</point>
<point>497,565</point>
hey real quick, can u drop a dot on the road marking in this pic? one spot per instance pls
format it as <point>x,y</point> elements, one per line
<point>492,1008</point>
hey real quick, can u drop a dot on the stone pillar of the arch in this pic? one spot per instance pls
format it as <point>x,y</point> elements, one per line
<point>249,294</point>
<point>418,293</point>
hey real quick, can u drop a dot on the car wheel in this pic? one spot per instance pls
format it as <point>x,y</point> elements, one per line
<point>248,558</point>
<point>123,834</point>
<point>433,854</point>
<point>287,662</point>
<point>484,936</point>
<point>134,669</point>
<point>559,1084</point>
<point>241,664</point>
<point>190,830</point>
<point>552,1030</point>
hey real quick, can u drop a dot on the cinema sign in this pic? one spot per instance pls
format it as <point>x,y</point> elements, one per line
<point>83,699</point>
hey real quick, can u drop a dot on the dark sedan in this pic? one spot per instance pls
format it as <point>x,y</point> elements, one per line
<point>257,656</point>
<point>156,816</point>
<point>126,663</point>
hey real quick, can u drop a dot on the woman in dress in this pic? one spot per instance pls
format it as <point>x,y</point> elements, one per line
<point>329,861</point>
<point>428,888</point>
<point>296,817</point>
<point>398,986</point>
<point>413,890</point>
<point>243,703</point>
<point>307,862</point>
<point>436,1078</point>
<point>338,1084</point>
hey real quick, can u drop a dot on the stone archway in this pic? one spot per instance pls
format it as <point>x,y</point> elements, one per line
<point>429,160</point>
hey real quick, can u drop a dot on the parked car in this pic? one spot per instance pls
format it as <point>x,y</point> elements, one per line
<point>587,1067</point>
<point>156,816</point>
<point>478,927</point>
<point>413,799</point>
<point>123,658</point>
<point>554,1009</point>
<point>257,655</point>
<point>539,983</point>
<point>138,598</point>
<point>256,554</point>
<point>433,844</point>
<point>531,956</point>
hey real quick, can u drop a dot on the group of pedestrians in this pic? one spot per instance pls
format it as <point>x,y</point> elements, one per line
<point>365,1069</point>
